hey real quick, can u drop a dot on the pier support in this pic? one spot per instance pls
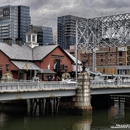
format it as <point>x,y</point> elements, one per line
<point>83,93</point>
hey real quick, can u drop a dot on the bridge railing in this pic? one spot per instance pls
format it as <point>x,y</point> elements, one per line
<point>108,83</point>
<point>35,86</point>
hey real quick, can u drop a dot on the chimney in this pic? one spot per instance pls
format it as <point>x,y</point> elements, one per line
<point>8,41</point>
<point>19,41</point>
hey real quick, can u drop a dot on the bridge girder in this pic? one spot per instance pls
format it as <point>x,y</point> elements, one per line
<point>107,31</point>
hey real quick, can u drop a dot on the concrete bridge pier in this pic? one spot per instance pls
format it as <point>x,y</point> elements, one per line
<point>83,93</point>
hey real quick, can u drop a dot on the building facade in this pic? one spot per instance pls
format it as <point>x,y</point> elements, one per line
<point>114,60</point>
<point>66,31</point>
<point>22,61</point>
<point>14,22</point>
<point>44,34</point>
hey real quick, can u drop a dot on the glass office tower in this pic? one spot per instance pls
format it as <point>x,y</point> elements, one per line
<point>47,35</point>
<point>14,22</point>
<point>66,31</point>
<point>44,34</point>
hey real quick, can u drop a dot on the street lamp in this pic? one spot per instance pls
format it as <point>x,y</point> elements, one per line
<point>84,65</point>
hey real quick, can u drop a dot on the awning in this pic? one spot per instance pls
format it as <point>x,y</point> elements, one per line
<point>22,65</point>
<point>46,71</point>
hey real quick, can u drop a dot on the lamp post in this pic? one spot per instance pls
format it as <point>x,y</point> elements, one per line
<point>84,65</point>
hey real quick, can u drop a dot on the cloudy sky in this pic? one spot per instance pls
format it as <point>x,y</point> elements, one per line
<point>45,12</point>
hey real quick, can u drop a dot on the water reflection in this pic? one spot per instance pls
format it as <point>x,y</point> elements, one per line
<point>102,118</point>
<point>116,113</point>
<point>3,118</point>
<point>84,124</point>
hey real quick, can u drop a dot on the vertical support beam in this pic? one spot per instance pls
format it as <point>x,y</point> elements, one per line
<point>94,60</point>
<point>76,50</point>
<point>28,105</point>
<point>52,105</point>
<point>57,105</point>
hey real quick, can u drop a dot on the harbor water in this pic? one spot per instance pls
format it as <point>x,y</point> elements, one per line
<point>116,116</point>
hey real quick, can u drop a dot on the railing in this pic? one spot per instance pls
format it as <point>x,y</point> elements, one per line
<point>29,85</point>
<point>110,84</point>
<point>35,86</point>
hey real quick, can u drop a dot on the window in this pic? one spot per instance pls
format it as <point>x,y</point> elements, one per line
<point>33,38</point>
<point>120,53</point>
<point>29,38</point>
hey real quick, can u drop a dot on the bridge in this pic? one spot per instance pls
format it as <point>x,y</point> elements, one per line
<point>45,89</point>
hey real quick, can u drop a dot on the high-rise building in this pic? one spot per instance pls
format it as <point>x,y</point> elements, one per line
<point>67,31</point>
<point>47,35</point>
<point>14,22</point>
<point>44,34</point>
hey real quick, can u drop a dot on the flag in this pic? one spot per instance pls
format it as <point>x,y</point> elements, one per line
<point>55,65</point>
<point>48,66</point>
<point>26,65</point>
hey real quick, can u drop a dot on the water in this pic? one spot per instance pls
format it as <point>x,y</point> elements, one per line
<point>101,119</point>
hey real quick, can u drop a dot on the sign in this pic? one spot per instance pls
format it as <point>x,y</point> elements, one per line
<point>122,49</point>
<point>57,56</point>
<point>6,12</point>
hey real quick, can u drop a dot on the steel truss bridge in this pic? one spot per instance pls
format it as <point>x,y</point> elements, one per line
<point>31,90</point>
<point>107,31</point>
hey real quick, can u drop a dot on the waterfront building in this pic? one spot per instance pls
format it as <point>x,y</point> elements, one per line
<point>22,60</point>
<point>44,34</point>
<point>14,22</point>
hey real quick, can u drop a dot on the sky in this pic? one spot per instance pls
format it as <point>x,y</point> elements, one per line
<point>46,12</point>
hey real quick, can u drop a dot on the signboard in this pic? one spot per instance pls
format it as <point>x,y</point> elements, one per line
<point>122,49</point>
<point>6,12</point>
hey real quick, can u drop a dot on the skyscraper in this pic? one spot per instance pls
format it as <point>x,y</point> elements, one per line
<point>67,31</point>
<point>14,22</point>
<point>47,35</point>
<point>44,34</point>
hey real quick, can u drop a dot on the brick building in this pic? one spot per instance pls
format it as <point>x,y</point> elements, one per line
<point>114,60</point>
<point>22,61</point>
